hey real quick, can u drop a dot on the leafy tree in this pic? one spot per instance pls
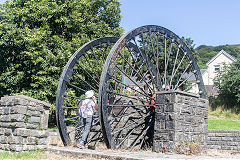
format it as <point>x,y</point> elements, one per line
<point>207,52</point>
<point>228,82</point>
<point>190,44</point>
<point>37,37</point>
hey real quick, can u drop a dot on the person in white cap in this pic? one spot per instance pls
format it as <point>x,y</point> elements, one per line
<point>86,111</point>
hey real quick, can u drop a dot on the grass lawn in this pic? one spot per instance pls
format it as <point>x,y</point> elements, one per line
<point>221,119</point>
<point>223,125</point>
<point>38,154</point>
<point>41,155</point>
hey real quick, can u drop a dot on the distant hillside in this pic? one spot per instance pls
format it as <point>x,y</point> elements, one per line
<point>205,53</point>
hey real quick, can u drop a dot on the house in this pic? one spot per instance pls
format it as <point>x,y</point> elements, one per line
<point>214,66</point>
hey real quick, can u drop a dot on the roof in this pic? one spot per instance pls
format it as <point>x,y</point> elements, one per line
<point>219,53</point>
<point>192,78</point>
<point>127,81</point>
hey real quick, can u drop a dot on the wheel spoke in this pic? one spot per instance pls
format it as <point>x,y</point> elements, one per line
<point>68,119</point>
<point>149,64</point>
<point>96,57</point>
<point>88,73</point>
<point>179,64</point>
<point>66,95</point>
<point>74,86</point>
<point>182,75</point>
<point>131,97</point>
<point>91,67</point>
<point>85,82</point>
<point>127,86</point>
<point>133,68</point>
<point>174,65</point>
<point>177,86</point>
<point>130,79</point>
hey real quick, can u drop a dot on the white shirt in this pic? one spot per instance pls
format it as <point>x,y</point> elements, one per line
<point>89,106</point>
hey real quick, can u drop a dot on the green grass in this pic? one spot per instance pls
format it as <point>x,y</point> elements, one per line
<point>220,119</point>
<point>223,125</point>
<point>37,154</point>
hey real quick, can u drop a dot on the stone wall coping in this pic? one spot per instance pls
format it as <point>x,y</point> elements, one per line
<point>223,131</point>
<point>26,98</point>
<point>181,92</point>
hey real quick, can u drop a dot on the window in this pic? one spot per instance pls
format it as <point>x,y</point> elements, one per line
<point>216,68</point>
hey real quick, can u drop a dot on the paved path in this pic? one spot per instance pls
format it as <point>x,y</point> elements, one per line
<point>143,155</point>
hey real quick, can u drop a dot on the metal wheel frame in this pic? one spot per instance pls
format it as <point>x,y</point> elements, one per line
<point>109,64</point>
<point>64,79</point>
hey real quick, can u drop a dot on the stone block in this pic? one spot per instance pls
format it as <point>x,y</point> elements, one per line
<point>32,140</point>
<point>12,118</point>
<point>13,124</point>
<point>44,120</point>
<point>7,131</point>
<point>41,147</point>
<point>22,132</point>
<point>12,140</point>
<point>163,137</point>
<point>34,119</point>
<point>39,133</point>
<point>23,102</point>
<point>27,147</point>
<point>156,147</point>
<point>16,147</point>
<point>5,147</point>
<point>215,138</point>
<point>188,119</point>
<point>3,139</point>
<point>169,125</point>
<point>42,141</point>
<point>33,104</point>
<point>169,108</point>
<point>5,118</point>
<point>32,126</point>
<point>39,108</point>
<point>160,116</point>
<point>2,131</point>
<point>34,113</point>
<point>227,138</point>
<point>4,111</point>
<point>18,109</point>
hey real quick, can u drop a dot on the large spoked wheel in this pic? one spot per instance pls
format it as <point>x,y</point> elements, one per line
<point>81,73</point>
<point>142,62</point>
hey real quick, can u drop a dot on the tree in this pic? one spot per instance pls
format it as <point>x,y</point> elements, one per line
<point>228,82</point>
<point>38,37</point>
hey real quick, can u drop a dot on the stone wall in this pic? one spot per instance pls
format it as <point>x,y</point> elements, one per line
<point>224,140</point>
<point>23,123</point>
<point>181,120</point>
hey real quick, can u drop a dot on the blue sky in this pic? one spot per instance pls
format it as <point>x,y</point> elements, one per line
<point>208,22</point>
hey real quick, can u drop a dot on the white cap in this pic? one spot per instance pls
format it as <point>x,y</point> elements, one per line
<point>89,94</point>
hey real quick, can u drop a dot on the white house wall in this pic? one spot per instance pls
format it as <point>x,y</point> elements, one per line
<point>220,60</point>
<point>205,78</point>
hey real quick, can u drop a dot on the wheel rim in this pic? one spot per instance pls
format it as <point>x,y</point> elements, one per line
<point>81,73</point>
<point>144,61</point>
